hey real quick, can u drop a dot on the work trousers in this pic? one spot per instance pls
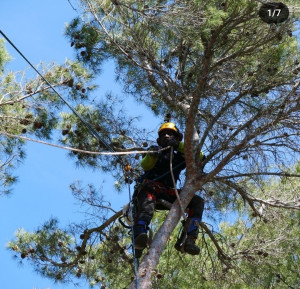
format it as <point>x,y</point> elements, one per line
<point>146,201</point>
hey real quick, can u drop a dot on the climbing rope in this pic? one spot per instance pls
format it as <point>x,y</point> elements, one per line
<point>131,152</point>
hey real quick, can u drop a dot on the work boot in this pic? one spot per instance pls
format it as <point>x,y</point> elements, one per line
<point>140,237</point>
<point>190,247</point>
<point>186,242</point>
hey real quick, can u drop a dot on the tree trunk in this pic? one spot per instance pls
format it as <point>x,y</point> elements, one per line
<point>151,259</point>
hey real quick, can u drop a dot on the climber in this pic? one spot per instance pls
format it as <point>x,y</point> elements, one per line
<point>156,183</point>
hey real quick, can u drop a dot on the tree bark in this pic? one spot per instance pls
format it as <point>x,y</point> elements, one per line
<point>151,258</point>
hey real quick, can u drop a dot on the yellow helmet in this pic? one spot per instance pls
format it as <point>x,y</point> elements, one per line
<point>168,125</point>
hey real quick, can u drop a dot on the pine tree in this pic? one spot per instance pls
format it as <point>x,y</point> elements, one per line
<point>30,108</point>
<point>232,83</point>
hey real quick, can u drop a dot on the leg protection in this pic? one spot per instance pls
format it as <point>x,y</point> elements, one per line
<point>140,237</point>
<point>196,207</point>
<point>145,201</point>
<point>145,205</point>
<point>193,229</point>
<point>186,242</point>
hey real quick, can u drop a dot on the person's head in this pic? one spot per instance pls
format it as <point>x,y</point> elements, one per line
<point>169,135</point>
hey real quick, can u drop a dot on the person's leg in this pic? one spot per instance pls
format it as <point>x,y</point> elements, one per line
<point>145,205</point>
<point>195,212</point>
<point>186,242</point>
<point>144,210</point>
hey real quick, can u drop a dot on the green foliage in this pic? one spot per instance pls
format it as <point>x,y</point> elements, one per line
<point>171,41</point>
<point>85,39</point>
<point>261,252</point>
<point>214,65</point>
<point>29,107</point>
<point>108,117</point>
<point>100,256</point>
<point>4,57</point>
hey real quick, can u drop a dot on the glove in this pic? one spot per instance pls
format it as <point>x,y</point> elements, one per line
<point>157,153</point>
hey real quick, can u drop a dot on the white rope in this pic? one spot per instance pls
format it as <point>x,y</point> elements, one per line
<point>78,150</point>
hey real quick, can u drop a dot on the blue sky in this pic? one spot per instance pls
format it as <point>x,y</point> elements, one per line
<point>37,29</point>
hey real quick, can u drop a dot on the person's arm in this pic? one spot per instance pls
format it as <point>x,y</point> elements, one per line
<point>149,160</point>
<point>181,148</point>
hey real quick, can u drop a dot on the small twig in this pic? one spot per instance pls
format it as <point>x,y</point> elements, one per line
<point>243,194</point>
<point>283,174</point>
<point>87,235</point>
<point>8,161</point>
<point>38,90</point>
<point>222,256</point>
<point>72,6</point>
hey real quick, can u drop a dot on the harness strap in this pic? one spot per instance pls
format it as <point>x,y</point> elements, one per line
<point>158,187</point>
